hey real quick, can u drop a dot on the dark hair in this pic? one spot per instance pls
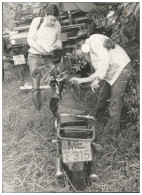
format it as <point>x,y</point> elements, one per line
<point>109,44</point>
<point>79,41</point>
<point>52,9</point>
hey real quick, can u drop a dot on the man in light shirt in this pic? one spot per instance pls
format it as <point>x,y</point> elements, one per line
<point>112,65</point>
<point>43,39</point>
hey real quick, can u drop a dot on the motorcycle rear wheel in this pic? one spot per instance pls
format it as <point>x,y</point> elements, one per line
<point>78,180</point>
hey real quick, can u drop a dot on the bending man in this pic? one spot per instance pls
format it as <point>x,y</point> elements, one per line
<point>112,64</point>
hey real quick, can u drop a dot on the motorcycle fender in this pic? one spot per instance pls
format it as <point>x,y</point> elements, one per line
<point>78,166</point>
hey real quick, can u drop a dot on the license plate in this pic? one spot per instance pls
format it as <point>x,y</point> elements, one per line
<point>76,151</point>
<point>19,59</point>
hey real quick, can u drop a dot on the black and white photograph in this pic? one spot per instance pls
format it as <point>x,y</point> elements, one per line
<point>70,97</point>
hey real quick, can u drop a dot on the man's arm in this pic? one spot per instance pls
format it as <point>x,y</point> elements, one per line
<point>100,62</point>
<point>83,80</point>
<point>99,59</point>
<point>32,36</point>
<point>58,37</point>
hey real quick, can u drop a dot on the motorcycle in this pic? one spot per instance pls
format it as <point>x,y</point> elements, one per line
<point>75,134</point>
<point>75,130</point>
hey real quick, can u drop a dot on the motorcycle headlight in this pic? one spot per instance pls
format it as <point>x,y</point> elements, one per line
<point>13,42</point>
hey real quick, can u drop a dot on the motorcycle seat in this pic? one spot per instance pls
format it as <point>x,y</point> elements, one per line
<point>71,104</point>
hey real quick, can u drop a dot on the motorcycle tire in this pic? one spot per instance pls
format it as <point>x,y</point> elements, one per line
<point>54,103</point>
<point>78,180</point>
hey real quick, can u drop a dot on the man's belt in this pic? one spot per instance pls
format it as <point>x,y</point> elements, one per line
<point>43,55</point>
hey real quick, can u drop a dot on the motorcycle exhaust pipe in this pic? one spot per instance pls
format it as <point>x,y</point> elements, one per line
<point>97,147</point>
<point>59,172</point>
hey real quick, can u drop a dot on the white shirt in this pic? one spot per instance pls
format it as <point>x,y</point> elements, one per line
<point>107,64</point>
<point>46,35</point>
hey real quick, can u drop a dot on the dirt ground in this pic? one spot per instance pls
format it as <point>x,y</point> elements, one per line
<point>28,158</point>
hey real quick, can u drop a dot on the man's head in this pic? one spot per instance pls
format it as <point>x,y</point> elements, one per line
<point>51,14</point>
<point>79,42</point>
<point>83,49</point>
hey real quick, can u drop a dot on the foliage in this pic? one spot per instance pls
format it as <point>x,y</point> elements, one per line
<point>126,28</point>
<point>9,9</point>
<point>123,21</point>
<point>126,32</point>
<point>8,21</point>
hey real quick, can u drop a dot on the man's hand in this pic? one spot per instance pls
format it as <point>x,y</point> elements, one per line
<point>55,47</point>
<point>75,79</point>
<point>41,51</point>
<point>94,84</point>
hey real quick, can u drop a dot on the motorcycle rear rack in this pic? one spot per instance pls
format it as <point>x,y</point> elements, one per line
<point>75,129</point>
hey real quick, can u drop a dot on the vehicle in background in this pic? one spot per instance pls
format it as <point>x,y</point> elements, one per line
<point>72,19</point>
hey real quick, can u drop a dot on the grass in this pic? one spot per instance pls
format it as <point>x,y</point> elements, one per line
<point>28,157</point>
